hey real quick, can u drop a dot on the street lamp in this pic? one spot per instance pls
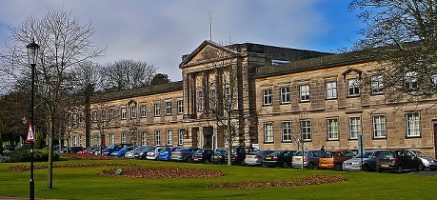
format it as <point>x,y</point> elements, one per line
<point>32,53</point>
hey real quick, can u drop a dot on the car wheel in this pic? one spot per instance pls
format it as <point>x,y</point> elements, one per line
<point>420,167</point>
<point>311,166</point>
<point>366,167</point>
<point>206,161</point>
<point>264,165</point>
<point>188,159</point>
<point>285,165</point>
<point>399,169</point>
<point>338,167</point>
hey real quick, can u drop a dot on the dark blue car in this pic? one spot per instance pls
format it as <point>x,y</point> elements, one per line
<point>122,151</point>
<point>165,154</point>
<point>110,149</point>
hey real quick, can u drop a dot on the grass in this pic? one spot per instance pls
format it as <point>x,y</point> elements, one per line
<point>84,183</point>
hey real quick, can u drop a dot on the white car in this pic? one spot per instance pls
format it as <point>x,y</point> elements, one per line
<point>256,157</point>
<point>153,154</point>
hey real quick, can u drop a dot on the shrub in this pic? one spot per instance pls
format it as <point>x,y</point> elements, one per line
<point>23,155</point>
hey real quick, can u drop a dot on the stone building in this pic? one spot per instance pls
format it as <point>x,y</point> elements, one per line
<point>271,96</point>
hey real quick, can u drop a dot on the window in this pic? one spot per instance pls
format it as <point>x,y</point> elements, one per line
<point>157,138</point>
<point>111,114</point>
<point>354,127</point>
<point>331,90</point>
<point>267,97</point>
<point>94,116</point>
<point>377,85</point>
<point>286,131</point>
<point>434,80</point>
<point>305,128</point>
<point>143,111</point>
<point>304,92</point>
<point>157,109</point>
<point>133,112</point>
<point>285,94</point>
<point>123,113</point>
<point>200,101</point>
<point>413,124</point>
<point>268,133</point>
<point>332,125</point>
<point>169,137</point>
<point>112,138</point>
<point>353,86</point>
<point>167,108</point>
<point>180,105</point>
<point>212,99</point>
<point>378,124</point>
<point>104,116</point>
<point>123,138</point>
<point>181,137</point>
<point>143,138</point>
<point>411,82</point>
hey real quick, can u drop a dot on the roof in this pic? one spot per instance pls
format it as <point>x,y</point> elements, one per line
<point>143,91</point>
<point>313,64</point>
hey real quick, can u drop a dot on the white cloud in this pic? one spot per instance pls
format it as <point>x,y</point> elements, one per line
<point>160,32</point>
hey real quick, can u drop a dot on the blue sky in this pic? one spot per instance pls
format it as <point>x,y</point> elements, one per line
<point>160,32</point>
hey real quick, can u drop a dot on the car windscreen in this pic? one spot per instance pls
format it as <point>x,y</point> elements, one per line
<point>275,153</point>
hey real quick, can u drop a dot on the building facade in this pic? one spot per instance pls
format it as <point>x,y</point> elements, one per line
<point>266,97</point>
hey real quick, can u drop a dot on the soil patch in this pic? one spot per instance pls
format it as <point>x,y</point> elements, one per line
<point>311,180</point>
<point>162,172</point>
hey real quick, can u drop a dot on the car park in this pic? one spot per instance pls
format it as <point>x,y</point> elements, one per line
<point>309,159</point>
<point>278,158</point>
<point>75,149</point>
<point>335,159</point>
<point>239,154</point>
<point>183,154</point>
<point>256,157</point>
<point>130,154</point>
<point>202,155</point>
<point>397,160</point>
<point>427,161</point>
<point>355,163</point>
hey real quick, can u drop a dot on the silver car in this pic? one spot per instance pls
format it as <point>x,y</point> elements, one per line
<point>428,162</point>
<point>310,160</point>
<point>256,157</point>
<point>354,164</point>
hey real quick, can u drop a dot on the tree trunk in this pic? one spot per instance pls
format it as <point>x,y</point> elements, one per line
<point>50,150</point>
<point>1,144</point>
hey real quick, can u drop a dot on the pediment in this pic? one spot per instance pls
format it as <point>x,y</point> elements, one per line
<point>207,51</point>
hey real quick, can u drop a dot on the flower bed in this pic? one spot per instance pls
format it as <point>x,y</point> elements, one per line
<point>162,172</point>
<point>21,168</point>
<point>73,156</point>
<point>311,180</point>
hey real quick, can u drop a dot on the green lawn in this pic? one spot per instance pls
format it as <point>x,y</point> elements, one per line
<point>84,183</point>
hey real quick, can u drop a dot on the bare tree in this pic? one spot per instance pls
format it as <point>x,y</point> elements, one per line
<point>402,36</point>
<point>128,74</point>
<point>64,44</point>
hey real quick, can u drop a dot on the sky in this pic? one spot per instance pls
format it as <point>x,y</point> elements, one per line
<point>160,32</point>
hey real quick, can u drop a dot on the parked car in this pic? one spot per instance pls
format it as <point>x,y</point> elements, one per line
<point>335,159</point>
<point>86,151</point>
<point>142,154</point>
<point>278,158</point>
<point>153,153</point>
<point>165,154</point>
<point>130,154</point>
<point>397,160</point>
<point>220,156</point>
<point>256,157</point>
<point>202,155</point>
<point>239,154</point>
<point>122,151</point>
<point>354,164</point>
<point>183,154</point>
<point>310,159</point>
<point>427,162</point>
<point>75,149</point>
<point>114,147</point>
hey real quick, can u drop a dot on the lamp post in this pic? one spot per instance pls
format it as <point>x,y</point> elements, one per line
<point>32,53</point>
